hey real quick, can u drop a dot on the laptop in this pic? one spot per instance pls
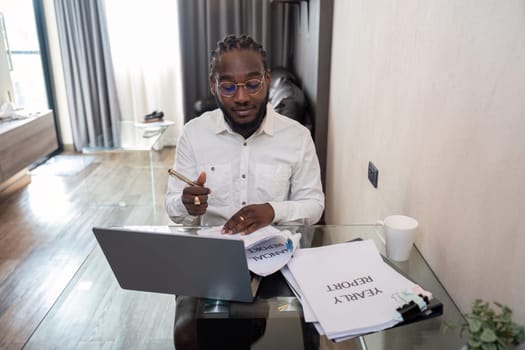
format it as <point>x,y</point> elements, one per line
<point>178,263</point>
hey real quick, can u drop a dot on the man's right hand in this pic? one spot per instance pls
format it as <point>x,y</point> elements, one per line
<point>195,198</point>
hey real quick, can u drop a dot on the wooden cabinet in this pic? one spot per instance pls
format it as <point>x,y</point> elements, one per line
<point>23,142</point>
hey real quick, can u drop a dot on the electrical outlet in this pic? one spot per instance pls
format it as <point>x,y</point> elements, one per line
<point>373,174</point>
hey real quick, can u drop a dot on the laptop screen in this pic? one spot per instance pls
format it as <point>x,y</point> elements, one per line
<point>177,263</point>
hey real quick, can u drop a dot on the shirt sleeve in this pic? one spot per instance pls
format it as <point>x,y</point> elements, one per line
<point>306,200</point>
<point>185,164</point>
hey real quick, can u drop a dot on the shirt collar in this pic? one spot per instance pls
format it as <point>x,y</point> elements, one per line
<point>267,125</point>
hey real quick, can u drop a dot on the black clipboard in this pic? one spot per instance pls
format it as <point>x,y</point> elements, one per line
<point>409,312</point>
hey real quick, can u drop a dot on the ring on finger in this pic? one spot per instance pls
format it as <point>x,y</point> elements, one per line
<point>241,217</point>
<point>196,200</point>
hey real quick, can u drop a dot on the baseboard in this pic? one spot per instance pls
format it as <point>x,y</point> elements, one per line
<point>15,182</point>
<point>69,147</point>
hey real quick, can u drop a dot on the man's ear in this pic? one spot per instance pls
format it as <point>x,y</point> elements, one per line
<point>268,77</point>
<point>213,83</point>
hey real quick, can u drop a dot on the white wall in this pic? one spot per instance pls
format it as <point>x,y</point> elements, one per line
<point>432,92</point>
<point>6,87</point>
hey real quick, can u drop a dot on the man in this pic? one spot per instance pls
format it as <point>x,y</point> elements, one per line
<point>254,166</point>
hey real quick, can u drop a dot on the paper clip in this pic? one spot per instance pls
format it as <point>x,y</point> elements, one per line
<point>410,305</point>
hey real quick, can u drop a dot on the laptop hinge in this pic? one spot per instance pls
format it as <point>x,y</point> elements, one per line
<point>256,280</point>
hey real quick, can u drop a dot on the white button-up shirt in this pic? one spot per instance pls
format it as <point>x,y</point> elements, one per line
<point>276,165</point>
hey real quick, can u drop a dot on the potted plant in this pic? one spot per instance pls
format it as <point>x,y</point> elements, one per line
<point>491,329</point>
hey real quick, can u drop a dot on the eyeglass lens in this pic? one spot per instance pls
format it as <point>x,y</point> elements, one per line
<point>252,86</point>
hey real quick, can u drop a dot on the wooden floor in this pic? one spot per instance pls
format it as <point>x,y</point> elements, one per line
<point>56,289</point>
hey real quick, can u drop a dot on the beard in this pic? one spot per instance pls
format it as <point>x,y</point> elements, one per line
<point>245,129</point>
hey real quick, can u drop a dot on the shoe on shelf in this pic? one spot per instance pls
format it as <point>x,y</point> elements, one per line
<point>155,116</point>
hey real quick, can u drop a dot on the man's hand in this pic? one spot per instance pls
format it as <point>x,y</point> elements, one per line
<point>250,218</point>
<point>195,198</point>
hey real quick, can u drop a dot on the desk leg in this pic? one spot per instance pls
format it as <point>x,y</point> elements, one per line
<point>362,343</point>
<point>152,176</point>
<point>156,135</point>
<point>155,145</point>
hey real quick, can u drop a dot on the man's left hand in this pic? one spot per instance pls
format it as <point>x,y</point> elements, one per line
<point>250,218</point>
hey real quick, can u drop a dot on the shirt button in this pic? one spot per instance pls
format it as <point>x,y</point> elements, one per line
<point>243,176</point>
<point>244,144</point>
<point>212,168</point>
<point>243,203</point>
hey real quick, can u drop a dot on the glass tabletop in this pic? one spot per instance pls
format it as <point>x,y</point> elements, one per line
<point>276,322</point>
<point>95,312</point>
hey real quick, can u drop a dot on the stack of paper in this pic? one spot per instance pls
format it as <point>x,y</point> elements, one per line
<point>346,289</point>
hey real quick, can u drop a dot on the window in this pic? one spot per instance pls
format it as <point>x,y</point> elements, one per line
<point>27,75</point>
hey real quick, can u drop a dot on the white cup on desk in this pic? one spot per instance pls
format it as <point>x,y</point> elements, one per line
<point>400,235</point>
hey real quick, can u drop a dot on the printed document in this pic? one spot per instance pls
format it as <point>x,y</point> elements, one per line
<point>267,249</point>
<point>351,292</point>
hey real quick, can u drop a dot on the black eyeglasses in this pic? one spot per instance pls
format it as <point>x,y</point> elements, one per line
<point>229,88</point>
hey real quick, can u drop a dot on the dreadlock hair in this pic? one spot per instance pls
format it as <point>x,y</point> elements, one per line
<point>234,42</point>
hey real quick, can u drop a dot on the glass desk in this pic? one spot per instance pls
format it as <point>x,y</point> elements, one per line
<point>94,312</point>
<point>275,322</point>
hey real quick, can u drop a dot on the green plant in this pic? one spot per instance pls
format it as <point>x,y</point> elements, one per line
<point>490,329</point>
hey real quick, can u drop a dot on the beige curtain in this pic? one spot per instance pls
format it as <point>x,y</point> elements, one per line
<point>146,56</point>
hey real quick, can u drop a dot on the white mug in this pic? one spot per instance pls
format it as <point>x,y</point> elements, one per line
<point>400,234</point>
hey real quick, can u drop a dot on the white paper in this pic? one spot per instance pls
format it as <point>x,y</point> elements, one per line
<point>308,314</point>
<point>257,236</point>
<point>267,249</point>
<point>159,229</point>
<point>351,291</point>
